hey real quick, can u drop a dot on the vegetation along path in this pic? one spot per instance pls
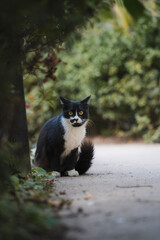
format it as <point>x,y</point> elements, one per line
<point>119,198</point>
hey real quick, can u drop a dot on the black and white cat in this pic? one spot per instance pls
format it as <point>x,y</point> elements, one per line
<point>60,147</point>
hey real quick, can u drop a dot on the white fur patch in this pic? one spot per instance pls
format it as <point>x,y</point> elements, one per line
<point>73,136</point>
<point>72,173</point>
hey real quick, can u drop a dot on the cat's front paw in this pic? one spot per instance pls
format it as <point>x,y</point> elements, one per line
<point>72,173</point>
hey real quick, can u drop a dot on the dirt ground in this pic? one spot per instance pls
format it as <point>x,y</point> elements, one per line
<point>119,198</point>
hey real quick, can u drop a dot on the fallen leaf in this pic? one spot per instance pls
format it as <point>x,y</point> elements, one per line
<point>88,196</point>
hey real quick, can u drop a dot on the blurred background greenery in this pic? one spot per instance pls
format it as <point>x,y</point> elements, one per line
<point>116,59</point>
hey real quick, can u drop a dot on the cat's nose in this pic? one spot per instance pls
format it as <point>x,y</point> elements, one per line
<point>76,119</point>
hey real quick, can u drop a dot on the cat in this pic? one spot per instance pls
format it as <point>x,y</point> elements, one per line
<point>59,147</point>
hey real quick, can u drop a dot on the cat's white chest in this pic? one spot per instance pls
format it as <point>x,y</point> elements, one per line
<point>73,136</point>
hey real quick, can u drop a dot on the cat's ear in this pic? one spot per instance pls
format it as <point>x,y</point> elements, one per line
<point>86,100</point>
<point>63,100</point>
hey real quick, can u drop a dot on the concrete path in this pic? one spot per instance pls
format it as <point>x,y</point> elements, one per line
<point>119,198</point>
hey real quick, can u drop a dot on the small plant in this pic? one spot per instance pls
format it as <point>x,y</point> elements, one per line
<point>29,206</point>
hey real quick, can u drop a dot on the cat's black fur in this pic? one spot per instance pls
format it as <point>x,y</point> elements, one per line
<point>51,142</point>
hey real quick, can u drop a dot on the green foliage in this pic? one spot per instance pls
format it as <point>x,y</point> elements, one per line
<point>121,72</point>
<point>28,207</point>
<point>44,31</point>
<point>135,7</point>
<point>41,103</point>
<point>25,222</point>
<point>44,21</point>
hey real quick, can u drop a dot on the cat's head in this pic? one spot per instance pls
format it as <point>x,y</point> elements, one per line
<point>75,112</point>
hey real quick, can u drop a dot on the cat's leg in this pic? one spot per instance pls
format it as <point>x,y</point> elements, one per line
<point>70,163</point>
<point>54,163</point>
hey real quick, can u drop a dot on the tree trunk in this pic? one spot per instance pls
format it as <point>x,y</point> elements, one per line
<point>13,123</point>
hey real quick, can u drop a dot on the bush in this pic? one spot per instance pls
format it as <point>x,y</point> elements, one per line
<point>28,207</point>
<point>121,72</point>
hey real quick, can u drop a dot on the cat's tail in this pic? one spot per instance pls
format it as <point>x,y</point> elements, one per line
<point>85,158</point>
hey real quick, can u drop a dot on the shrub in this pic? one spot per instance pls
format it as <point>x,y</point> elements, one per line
<point>120,71</point>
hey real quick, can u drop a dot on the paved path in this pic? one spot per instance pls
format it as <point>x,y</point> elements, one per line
<point>119,198</point>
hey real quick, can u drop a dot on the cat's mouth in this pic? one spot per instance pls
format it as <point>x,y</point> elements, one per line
<point>77,124</point>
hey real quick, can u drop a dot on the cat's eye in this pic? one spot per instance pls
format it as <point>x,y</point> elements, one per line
<point>81,113</point>
<point>70,113</point>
